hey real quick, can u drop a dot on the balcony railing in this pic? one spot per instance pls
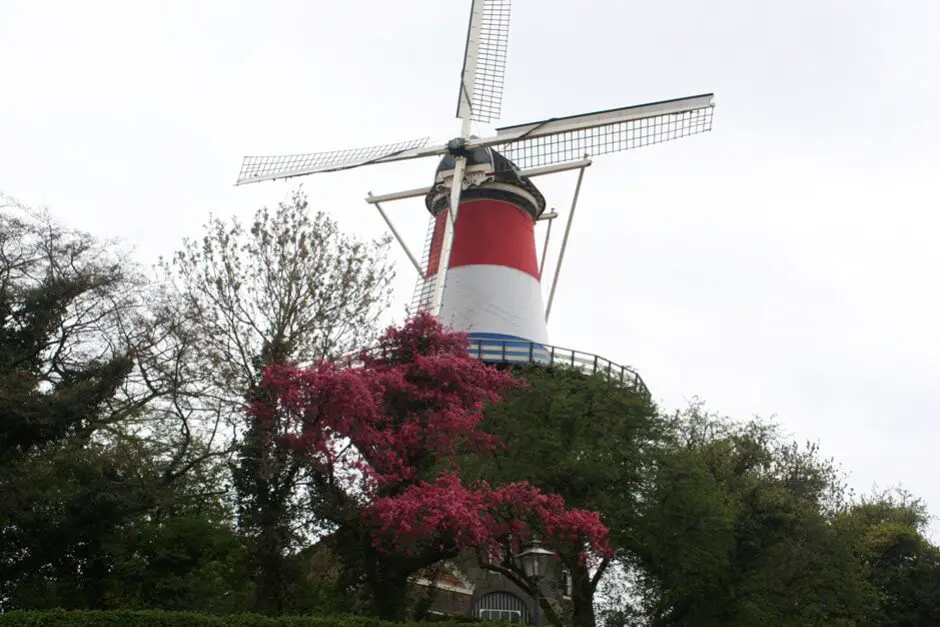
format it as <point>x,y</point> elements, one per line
<point>519,352</point>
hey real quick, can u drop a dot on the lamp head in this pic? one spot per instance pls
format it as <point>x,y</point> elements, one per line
<point>535,559</point>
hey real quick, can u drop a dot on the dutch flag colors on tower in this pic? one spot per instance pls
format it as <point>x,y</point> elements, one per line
<point>492,289</point>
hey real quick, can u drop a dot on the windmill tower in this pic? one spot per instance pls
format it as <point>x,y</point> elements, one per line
<point>480,272</point>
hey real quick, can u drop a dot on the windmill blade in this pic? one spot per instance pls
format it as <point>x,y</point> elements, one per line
<point>438,244</point>
<point>484,63</point>
<point>559,140</point>
<point>424,287</point>
<point>450,226</point>
<point>255,169</point>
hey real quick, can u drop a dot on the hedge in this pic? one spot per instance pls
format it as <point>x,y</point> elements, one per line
<point>150,618</point>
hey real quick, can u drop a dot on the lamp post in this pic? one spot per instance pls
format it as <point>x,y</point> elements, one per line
<point>535,563</point>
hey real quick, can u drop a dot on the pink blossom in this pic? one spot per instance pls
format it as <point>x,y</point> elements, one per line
<point>414,405</point>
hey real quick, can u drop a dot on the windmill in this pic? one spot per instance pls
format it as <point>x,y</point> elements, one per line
<point>479,272</point>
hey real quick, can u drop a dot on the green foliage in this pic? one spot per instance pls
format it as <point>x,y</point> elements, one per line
<point>64,507</point>
<point>595,433</point>
<point>93,477</point>
<point>96,529</point>
<point>180,619</point>
<point>186,562</point>
<point>586,439</point>
<point>54,287</point>
<point>734,531</point>
<point>887,533</point>
<point>65,304</point>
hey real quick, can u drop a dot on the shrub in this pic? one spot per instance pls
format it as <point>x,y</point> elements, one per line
<point>120,618</point>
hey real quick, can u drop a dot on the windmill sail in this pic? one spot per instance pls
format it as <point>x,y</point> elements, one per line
<point>255,169</point>
<point>559,140</point>
<point>424,287</point>
<point>484,64</point>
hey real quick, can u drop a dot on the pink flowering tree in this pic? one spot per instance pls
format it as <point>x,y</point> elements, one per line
<point>381,439</point>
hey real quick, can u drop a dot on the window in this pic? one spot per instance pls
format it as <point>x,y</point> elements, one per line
<point>510,616</point>
<point>566,584</point>
<point>501,605</point>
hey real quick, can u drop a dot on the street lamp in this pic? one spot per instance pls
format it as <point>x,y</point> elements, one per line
<point>535,564</point>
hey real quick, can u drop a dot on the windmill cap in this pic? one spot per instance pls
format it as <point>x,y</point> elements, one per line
<point>498,178</point>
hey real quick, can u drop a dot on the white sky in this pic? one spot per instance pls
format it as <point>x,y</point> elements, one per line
<point>783,264</point>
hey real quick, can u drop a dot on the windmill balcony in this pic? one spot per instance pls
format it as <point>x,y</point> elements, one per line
<point>517,352</point>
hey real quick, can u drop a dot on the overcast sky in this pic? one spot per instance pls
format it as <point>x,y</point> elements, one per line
<point>784,264</point>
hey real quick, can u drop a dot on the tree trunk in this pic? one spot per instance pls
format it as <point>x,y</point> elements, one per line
<point>582,598</point>
<point>269,564</point>
<point>264,481</point>
<point>388,589</point>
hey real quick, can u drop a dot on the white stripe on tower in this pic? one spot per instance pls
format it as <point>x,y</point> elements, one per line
<point>492,287</point>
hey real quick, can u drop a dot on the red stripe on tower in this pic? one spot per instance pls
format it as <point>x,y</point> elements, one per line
<point>496,233</point>
<point>437,242</point>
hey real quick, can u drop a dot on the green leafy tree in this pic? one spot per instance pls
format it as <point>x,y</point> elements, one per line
<point>94,437</point>
<point>887,531</point>
<point>587,439</point>
<point>99,529</point>
<point>63,366</point>
<point>736,531</point>
<point>188,562</point>
<point>54,311</point>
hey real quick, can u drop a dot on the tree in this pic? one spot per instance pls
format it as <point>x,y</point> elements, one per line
<point>100,529</point>
<point>187,562</point>
<point>290,288</point>
<point>587,439</point>
<point>82,361</point>
<point>381,441</point>
<point>62,295</point>
<point>735,530</point>
<point>903,567</point>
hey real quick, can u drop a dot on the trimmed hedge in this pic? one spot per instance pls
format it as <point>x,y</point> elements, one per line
<point>151,618</point>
